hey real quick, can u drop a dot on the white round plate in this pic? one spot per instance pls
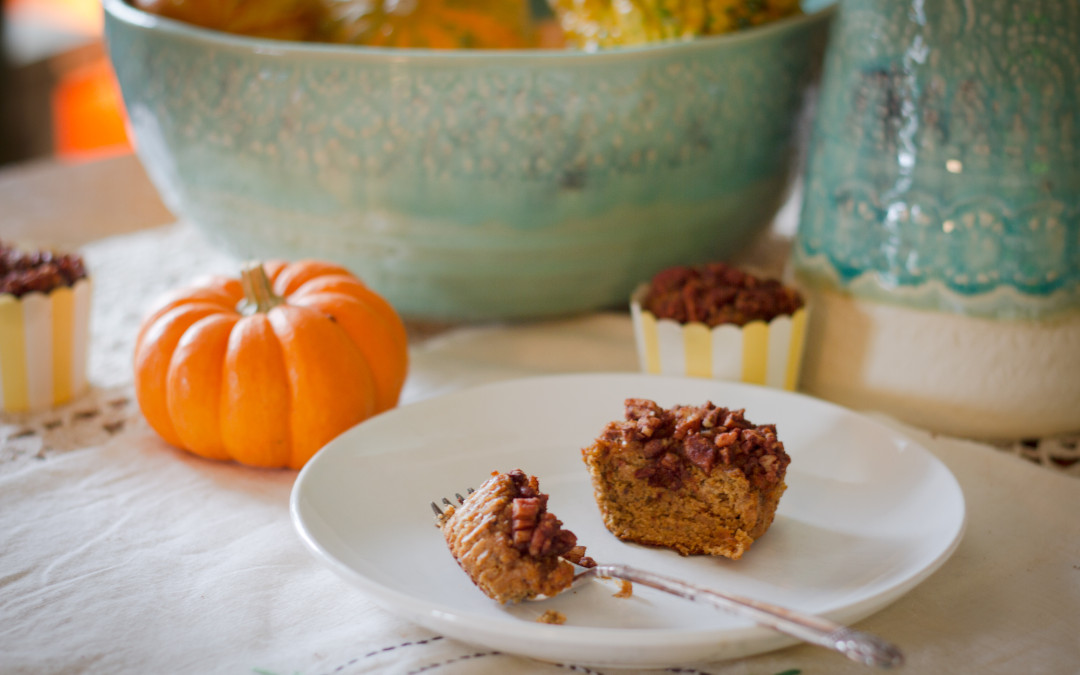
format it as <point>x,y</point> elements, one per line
<point>868,514</point>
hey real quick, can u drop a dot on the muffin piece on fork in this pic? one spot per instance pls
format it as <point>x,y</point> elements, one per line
<point>507,541</point>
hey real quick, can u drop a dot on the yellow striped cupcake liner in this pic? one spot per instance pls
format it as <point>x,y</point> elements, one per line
<point>757,353</point>
<point>43,347</point>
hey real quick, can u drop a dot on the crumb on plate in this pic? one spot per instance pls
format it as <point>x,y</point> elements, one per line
<point>551,616</point>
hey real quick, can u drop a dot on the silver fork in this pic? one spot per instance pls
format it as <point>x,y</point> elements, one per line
<point>858,646</point>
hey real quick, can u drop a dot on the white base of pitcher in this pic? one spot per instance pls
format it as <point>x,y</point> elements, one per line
<point>963,376</point>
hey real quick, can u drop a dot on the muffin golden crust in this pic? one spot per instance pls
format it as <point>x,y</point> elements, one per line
<point>508,543</point>
<point>695,479</point>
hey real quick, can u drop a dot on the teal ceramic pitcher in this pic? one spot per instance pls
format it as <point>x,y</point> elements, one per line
<point>940,232</point>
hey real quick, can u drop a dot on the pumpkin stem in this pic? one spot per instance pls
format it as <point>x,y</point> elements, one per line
<point>259,297</point>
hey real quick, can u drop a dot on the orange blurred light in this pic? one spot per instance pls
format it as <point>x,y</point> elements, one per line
<point>88,116</point>
<point>87,110</point>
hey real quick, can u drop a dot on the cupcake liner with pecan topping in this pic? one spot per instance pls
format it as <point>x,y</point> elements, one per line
<point>23,272</point>
<point>716,293</point>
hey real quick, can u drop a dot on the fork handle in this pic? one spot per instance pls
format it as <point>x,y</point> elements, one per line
<point>856,645</point>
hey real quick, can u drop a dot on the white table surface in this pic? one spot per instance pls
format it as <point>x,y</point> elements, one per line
<point>123,555</point>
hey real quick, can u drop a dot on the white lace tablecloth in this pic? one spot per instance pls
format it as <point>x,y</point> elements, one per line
<point>122,555</point>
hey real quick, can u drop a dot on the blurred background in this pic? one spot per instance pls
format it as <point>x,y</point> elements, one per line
<point>58,97</point>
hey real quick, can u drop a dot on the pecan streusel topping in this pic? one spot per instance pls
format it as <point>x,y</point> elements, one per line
<point>716,294</point>
<point>23,272</point>
<point>705,436</point>
<point>536,531</point>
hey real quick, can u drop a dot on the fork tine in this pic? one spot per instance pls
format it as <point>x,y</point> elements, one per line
<point>447,502</point>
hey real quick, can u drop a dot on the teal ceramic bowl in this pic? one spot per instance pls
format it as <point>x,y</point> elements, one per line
<point>471,185</point>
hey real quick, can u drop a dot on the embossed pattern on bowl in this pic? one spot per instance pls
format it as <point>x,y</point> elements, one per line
<point>470,185</point>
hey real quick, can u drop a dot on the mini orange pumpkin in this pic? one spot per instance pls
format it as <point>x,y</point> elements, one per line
<point>267,369</point>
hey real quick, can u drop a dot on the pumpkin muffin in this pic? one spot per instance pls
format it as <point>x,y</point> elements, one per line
<point>695,479</point>
<point>44,328</point>
<point>718,321</point>
<point>507,541</point>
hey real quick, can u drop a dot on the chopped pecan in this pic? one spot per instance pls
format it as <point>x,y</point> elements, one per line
<point>648,419</point>
<point>725,439</point>
<point>654,447</point>
<point>524,517</point>
<point>577,556</point>
<point>735,420</point>
<point>689,420</point>
<point>637,408</point>
<point>549,539</point>
<point>666,473</point>
<point>701,451</point>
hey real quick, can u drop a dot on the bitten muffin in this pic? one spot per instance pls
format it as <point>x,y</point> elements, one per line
<point>695,479</point>
<point>507,541</point>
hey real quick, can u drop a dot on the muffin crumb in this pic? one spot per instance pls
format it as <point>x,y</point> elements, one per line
<point>552,617</point>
